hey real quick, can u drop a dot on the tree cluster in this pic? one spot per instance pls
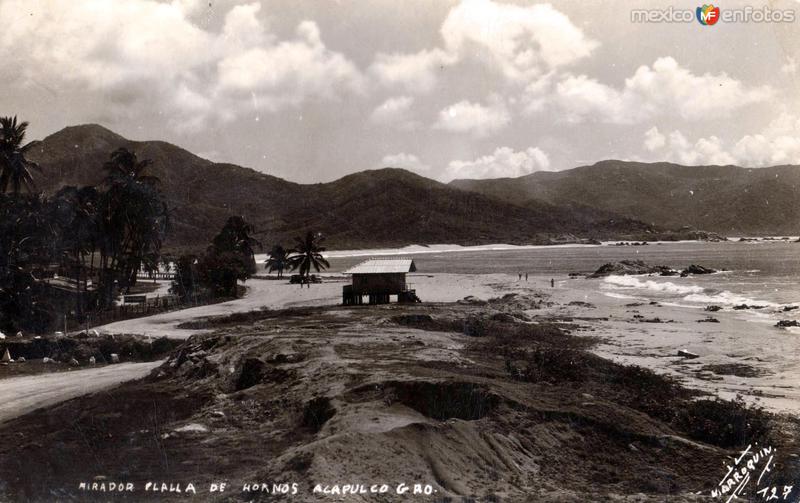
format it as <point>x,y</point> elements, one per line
<point>95,239</point>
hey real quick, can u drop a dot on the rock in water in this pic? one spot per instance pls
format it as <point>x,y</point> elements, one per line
<point>780,324</point>
<point>74,362</point>
<point>114,358</point>
<point>696,269</point>
<point>629,267</point>
<point>687,354</point>
<point>21,359</point>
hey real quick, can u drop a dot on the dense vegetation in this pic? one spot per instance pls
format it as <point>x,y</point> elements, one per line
<point>71,252</point>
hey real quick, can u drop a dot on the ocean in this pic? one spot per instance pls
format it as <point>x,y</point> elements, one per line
<point>762,272</point>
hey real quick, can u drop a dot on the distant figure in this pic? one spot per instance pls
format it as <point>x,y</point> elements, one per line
<point>520,276</point>
<point>526,276</point>
<point>552,283</point>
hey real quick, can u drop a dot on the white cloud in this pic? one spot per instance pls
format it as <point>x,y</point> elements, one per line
<point>580,98</point>
<point>395,111</point>
<point>790,67</point>
<point>522,43</point>
<point>675,147</point>
<point>778,143</point>
<point>663,89</point>
<point>503,162</point>
<point>653,139</point>
<point>289,72</point>
<point>405,161</point>
<point>474,118</point>
<point>137,51</point>
<point>416,72</point>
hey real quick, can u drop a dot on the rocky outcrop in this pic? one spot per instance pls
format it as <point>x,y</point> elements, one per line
<point>624,267</point>
<point>696,269</point>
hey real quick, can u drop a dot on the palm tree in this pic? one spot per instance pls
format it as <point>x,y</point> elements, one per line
<point>15,169</point>
<point>306,254</point>
<point>132,219</point>
<point>277,260</point>
<point>124,167</point>
<point>76,209</point>
<point>235,238</point>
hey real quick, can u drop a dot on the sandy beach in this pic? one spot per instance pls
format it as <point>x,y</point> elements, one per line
<point>632,330</point>
<point>437,394</point>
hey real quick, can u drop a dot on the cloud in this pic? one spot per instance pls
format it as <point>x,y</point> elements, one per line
<point>290,72</point>
<point>474,118</point>
<point>663,89</point>
<point>416,72</point>
<point>653,139</point>
<point>521,43</point>
<point>395,111</point>
<point>778,143</point>
<point>143,51</point>
<point>405,161</point>
<point>790,67</point>
<point>503,162</point>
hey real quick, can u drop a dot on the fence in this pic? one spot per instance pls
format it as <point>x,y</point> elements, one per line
<point>154,305</point>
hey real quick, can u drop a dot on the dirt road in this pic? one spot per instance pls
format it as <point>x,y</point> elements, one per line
<point>20,395</point>
<point>260,293</point>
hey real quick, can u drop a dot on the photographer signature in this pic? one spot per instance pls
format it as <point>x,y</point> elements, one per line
<point>741,474</point>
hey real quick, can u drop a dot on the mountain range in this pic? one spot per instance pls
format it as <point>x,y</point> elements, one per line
<point>394,207</point>
<point>726,199</point>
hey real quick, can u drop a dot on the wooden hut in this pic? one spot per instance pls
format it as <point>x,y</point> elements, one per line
<point>379,279</point>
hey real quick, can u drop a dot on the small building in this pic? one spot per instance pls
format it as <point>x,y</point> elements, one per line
<point>379,279</point>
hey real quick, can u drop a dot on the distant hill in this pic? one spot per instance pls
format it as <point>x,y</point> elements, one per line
<point>725,199</point>
<point>387,207</point>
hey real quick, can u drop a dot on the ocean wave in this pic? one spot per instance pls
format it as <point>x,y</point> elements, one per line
<point>727,298</point>
<point>655,286</point>
<point>687,293</point>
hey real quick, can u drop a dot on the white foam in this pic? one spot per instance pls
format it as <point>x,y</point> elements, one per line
<point>654,286</point>
<point>726,298</point>
<point>688,293</point>
<point>619,296</point>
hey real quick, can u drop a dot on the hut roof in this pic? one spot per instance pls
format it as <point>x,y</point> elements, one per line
<point>383,266</point>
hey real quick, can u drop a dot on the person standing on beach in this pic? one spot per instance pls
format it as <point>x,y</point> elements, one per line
<point>552,283</point>
<point>526,276</point>
<point>519,278</point>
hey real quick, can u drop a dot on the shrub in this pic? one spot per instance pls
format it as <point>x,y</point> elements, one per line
<point>724,423</point>
<point>549,364</point>
<point>642,389</point>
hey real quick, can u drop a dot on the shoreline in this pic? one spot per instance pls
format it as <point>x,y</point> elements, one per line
<point>419,249</point>
<point>489,388</point>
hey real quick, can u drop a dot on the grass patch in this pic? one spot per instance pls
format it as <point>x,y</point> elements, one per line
<point>725,423</point>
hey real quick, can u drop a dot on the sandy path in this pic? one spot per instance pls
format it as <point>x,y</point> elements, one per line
<point>20,395</point>
<point>275,294</point>
<point>260,293</point>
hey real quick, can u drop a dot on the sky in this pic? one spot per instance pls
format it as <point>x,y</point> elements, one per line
<point>312,90</point>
